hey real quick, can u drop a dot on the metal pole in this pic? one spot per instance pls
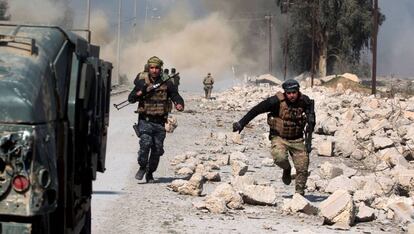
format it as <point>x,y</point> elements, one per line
<point>313,45</point>
<point>269,18</point>
<point>146,12</point>
<point>286,40</point>
<point>88,20</point>
<point>135,18</point>
<point>374,48</point>
<point>118,55</point>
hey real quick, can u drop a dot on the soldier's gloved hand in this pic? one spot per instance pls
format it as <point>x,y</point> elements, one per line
<point>237,127</point>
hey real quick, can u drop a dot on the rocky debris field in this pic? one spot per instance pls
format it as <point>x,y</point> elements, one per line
<point>212,180</point>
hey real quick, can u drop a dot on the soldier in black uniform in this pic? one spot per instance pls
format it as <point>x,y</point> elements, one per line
<point>291,114</point>
<point>153,109</point>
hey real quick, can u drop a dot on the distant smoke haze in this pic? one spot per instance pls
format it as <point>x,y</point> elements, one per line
<point>395,39</point>
<point>36,11</point>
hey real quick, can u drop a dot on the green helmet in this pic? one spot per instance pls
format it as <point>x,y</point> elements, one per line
<point>154,60</point>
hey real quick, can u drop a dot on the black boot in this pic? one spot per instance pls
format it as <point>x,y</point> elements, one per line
<point>287,178</point>
<point>140,173</point>
<point>149,178</point>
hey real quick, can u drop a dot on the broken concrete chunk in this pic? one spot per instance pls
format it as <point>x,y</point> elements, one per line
<point>338,208</point>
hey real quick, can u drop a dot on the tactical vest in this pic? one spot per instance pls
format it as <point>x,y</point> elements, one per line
<point>208,81</point>
<point>290,122</point>
<point>157,103</point>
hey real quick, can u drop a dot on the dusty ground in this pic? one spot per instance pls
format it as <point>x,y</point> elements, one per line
<point>123,205</point>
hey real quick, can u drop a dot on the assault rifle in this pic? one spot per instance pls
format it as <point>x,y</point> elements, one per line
<point>310,126</point>
<point>149,90</point>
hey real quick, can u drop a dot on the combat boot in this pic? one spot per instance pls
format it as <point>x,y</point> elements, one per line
<point>149,178</point>
<point>140,173</point>
<point>287,178</point>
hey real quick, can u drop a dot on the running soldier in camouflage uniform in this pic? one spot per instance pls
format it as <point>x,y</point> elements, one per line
<point>153,109</point>
<point>208,85</point>
<point>289,114</point>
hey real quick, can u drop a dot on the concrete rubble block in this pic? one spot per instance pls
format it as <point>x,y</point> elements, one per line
<point>338,209</point>
<point>409,115</point>
<point>394,158</point>
<point>348,171</point>
<point>329,171</point>
<point>366,197</point>
<point>351,77</point>
<point>410,228</point>
<point>358,155</point>
<point>406,180</point>
<point>343,142</point>
<point>212,176</point>
<point>200,205</point>
<point>193,187</point>
<point>236,138</point>
<point>238,168</point>
<point>223,159</point>
<point>299,204</point>
<point>268,162</point>
<point>311,182</point>
<point>259,195</point>
<point>363,134</point>
<point>325,148</point>
<point>341,182</point>
<point>239,182</point>
<point>232,199</point>
<point>329,126</point>
<point>379,142</point>
<point>191,166</point>
<point>185,171</point>
<point>178,159</point>
<point>175,184</point>
<point>215,205</point>
<point>238,156</point>
<point>403,212</point>
<point>365,213</point>
<point>379,185</point>
<point>212,165</point>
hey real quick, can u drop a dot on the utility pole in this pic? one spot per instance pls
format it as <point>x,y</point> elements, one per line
<point>269,20</point>
<point>286,50</point>
<point>374,47</point>
<point>88,20</point>
<point>313,22</point>
<point>118,53</point>
<point>135,18</point>
<point>146,12</point>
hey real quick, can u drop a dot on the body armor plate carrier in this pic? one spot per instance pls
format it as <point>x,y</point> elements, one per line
<point>156,103</point>
<point>291,120</point>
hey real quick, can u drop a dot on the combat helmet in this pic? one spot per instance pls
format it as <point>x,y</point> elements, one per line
<point>291,85</point>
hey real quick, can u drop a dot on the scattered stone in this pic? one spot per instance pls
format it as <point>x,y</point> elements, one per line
<point>403,212</point>
<point>365,213</point>
<point>300,204</point>
<point>223,160</point>
<point>339,209</point>
<point>259,195</point>
<point>268,162</point>
<point>239,182</point>
<point>329,171</point>
<point>238,156</point>
<point>325,148</point>
<point>232,199</point>
<point>212,176</point>
<point>341,182</point>
<point>193,187</point>
<point>175,184</point>
<point>381,142</point>
<point>215,205</point>
<point>239,168</point>
<point>185,171</point>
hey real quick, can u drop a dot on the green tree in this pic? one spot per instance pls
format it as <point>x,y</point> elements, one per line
<point>3,10</point>
<point>341,30</point>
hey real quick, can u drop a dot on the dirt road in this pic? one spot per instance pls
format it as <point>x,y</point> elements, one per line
<point>122,204</point>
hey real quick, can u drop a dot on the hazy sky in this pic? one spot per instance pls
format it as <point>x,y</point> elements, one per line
<point>395,47</point>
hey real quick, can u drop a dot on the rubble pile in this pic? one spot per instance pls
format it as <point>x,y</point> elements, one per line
<point>365,146</point>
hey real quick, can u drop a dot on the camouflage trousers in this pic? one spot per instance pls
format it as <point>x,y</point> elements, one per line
<point>280,150</point>
<point>151,144</point>
<point>207,91</point>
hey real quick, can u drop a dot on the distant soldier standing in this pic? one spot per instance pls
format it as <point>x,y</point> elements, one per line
<point>289,114</point>
<point>208,85</point>
<point>153,111</point>
<point>176,79</point>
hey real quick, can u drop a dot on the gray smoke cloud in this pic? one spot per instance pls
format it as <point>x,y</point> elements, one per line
<point>395,46</point>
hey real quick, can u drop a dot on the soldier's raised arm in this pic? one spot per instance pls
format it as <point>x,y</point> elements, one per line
<point>268,105</point>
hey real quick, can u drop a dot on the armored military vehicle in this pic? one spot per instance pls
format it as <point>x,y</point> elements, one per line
<point>54,115</point>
